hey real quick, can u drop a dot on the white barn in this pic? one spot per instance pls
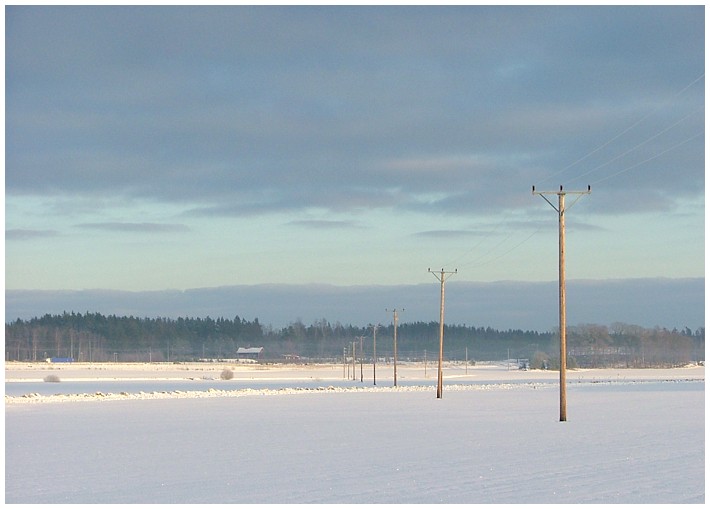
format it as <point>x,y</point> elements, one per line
<point>252,352</point>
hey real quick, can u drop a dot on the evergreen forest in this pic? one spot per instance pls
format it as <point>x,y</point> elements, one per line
<point>93,337</point>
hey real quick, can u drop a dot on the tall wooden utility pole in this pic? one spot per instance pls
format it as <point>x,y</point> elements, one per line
<point>394,311</point>
<point>560,208</point>
<point>442,278</point>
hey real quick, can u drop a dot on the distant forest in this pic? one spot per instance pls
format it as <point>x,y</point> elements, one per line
<point>93,337</point>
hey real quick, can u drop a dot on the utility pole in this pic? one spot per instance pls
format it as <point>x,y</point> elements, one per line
<point>361,355</point>
<point>354,346</point>
<point>374,355</point>
<point>442,279</point>
<point>394,311</point>
<point>560,209</point>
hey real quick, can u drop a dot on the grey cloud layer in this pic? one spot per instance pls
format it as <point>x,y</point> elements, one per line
<point>136,227</point>
<point>504,304</point>
<point>242,111</point>
<point>28,234</point>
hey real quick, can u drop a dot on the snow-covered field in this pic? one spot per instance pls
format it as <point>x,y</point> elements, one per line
<point>632,436</point>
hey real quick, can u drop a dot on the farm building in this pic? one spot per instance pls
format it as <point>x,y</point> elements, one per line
<point>252,352</point>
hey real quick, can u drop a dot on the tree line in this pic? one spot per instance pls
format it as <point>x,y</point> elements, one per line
<point>93,337</point>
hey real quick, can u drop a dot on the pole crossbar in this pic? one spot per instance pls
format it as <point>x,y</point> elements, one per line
<point>561,209</point>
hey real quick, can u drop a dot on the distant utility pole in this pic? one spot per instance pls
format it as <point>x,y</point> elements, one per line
<point>361,356</point>
<point>442,279</point>
<point>560,209</point>
<point>394,311</point>
<point>374,355</point>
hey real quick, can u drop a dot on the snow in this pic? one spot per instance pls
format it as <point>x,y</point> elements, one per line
<point>632,436</point>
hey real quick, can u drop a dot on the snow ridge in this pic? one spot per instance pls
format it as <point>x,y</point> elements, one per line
<point>34,398</point>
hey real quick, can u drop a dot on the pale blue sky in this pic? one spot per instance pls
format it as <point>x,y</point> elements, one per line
<point>175,148</point>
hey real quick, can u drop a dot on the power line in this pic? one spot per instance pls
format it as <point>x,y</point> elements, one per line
<point>483,238</point>
<point>650,158</point>
<point>479,260</point>
<point>623,132</point>
<point>638,145</point>
<point>474,263</point>
<point>508,251</point>
<point>490,250</point>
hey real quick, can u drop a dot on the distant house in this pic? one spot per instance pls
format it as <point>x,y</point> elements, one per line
<point>252,352</point>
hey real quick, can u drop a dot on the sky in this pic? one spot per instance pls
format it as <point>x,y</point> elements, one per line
<point>174,148</point>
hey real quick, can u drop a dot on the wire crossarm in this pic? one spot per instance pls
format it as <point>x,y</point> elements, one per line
<point>562,192</point>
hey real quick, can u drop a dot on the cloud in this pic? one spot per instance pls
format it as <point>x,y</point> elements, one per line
<point>27,234</point>
<point>504,304</point>
<point>324,224</point>
<point>135,227</point>
<point>450,234</point>
<point>271,109</point>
